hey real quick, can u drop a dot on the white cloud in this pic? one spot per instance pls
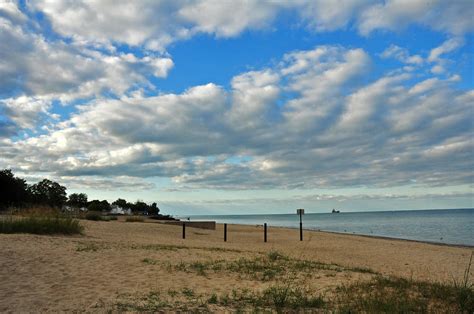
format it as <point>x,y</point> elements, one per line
<point>35,71</point>
<point>401,55</point>
<point>335,131</point>
<point>454,17</point>
<point>437,69</point>
<point>157,24</point>
<point>254,94</point>
<point>318,118</point>
<point>448,46</point>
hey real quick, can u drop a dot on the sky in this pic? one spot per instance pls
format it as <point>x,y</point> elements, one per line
<point>239,107</point>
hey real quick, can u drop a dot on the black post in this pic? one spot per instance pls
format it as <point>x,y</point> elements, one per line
<point>225,232</point>
<point>184,230</point>
<point>265,232</point>
<point>301,227</point>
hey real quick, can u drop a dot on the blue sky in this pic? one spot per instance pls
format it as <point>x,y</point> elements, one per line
<point>245,106</point>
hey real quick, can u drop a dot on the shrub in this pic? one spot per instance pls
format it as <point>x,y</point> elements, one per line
<point>134,219</point>
<point>40,225</point>
<point>94,216</point>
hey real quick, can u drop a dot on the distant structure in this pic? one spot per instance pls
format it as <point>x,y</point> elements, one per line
<point>117,210</point>
<point>335,211</point>
<point>66,208</point>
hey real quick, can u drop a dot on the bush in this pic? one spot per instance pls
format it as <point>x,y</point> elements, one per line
<point>94,216</point>
<point>134,219</point>
<point>40,225</point>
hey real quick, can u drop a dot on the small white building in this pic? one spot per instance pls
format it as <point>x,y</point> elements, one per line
<point>117,210</point>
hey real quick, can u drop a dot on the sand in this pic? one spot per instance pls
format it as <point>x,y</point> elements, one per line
<point>117,259</point>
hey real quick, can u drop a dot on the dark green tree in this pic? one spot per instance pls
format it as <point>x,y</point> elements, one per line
<point>77,200</point>
<point>13,190</point>
<point>140,207</point>
<point>48,192</point>
<point>120,202</point>
<point>98,206</point>
<point>153,209</point>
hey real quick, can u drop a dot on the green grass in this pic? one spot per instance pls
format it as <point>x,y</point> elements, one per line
<point>171,247</point>
<point>149,261</point>
<point>398,295</point>
<point>279,297</point>
<point>41,225</point>
<point>134,219</point>
<point>88,247</point>
<point>96,217</point>
<point>151,302</point>
<point>272,266</point>
<point>188,292</point>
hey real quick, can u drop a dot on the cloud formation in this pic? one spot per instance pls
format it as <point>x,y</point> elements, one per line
<point>333,132</point>
<point>155,25</point>
<point>314,118</point>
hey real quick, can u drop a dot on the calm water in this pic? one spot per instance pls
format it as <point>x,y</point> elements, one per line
<point>453,226</point>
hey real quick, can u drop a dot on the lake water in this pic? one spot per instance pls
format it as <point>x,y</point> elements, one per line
<point>451,226</point>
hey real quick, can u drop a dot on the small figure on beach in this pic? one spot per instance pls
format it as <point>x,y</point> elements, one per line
<point>335,211</point>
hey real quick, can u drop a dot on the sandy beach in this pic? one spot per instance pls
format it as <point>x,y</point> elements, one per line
<point>117,261</point>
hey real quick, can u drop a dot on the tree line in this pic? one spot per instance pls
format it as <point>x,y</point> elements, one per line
<point>15,192</point>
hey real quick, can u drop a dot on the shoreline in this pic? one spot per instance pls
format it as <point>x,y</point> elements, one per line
<point>350,234</point>
<point>466,246</point>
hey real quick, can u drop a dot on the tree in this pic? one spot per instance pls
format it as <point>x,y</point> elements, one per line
<point>13,190</point>
<point>153,209</point>
<point>77,200</point>
<point>98,206</point>
<point>120,202</point>
<point>49,193</point>
<point>140,206</point>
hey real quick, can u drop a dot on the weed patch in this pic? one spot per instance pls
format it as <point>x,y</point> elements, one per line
<point>272,266</point>
<point>88,247</point>
<point>41,225</point>
<point>134,219</point>
<point>398,295</point>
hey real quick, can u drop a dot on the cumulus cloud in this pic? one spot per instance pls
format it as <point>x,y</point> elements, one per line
<point>334,131</point>
<point>448,46</point>
<point>316,118</point>
<point>35,71</point>
<point>401,55</point>
<point>155,25</point>
<point>454,17</point>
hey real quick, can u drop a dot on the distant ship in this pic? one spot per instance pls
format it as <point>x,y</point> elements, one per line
<point>335,211</point>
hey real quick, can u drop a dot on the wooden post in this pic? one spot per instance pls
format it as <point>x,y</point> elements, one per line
<point>301,227</point>
<point>265,232</point>
<point>184,230</point>
<point>300,212</point>
<point>225,232</point>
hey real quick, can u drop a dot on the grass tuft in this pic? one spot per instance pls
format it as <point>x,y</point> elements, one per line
<point>134,219</point>
<point>95,217</point>
<point>399,295</point>
<point>41,225</point>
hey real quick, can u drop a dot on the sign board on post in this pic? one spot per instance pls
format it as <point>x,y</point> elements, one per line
<point>300,211</point>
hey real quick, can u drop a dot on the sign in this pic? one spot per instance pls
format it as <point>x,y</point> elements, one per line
<point>300,211</point>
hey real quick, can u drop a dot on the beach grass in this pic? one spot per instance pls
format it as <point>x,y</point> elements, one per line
<point>134,219</point>
<point>400,295</point>
<point>40,225</point>
<point>265,267</point>
<point>95,216</point>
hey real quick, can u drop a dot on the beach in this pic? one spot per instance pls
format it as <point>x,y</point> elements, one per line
<point>115,263</point>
